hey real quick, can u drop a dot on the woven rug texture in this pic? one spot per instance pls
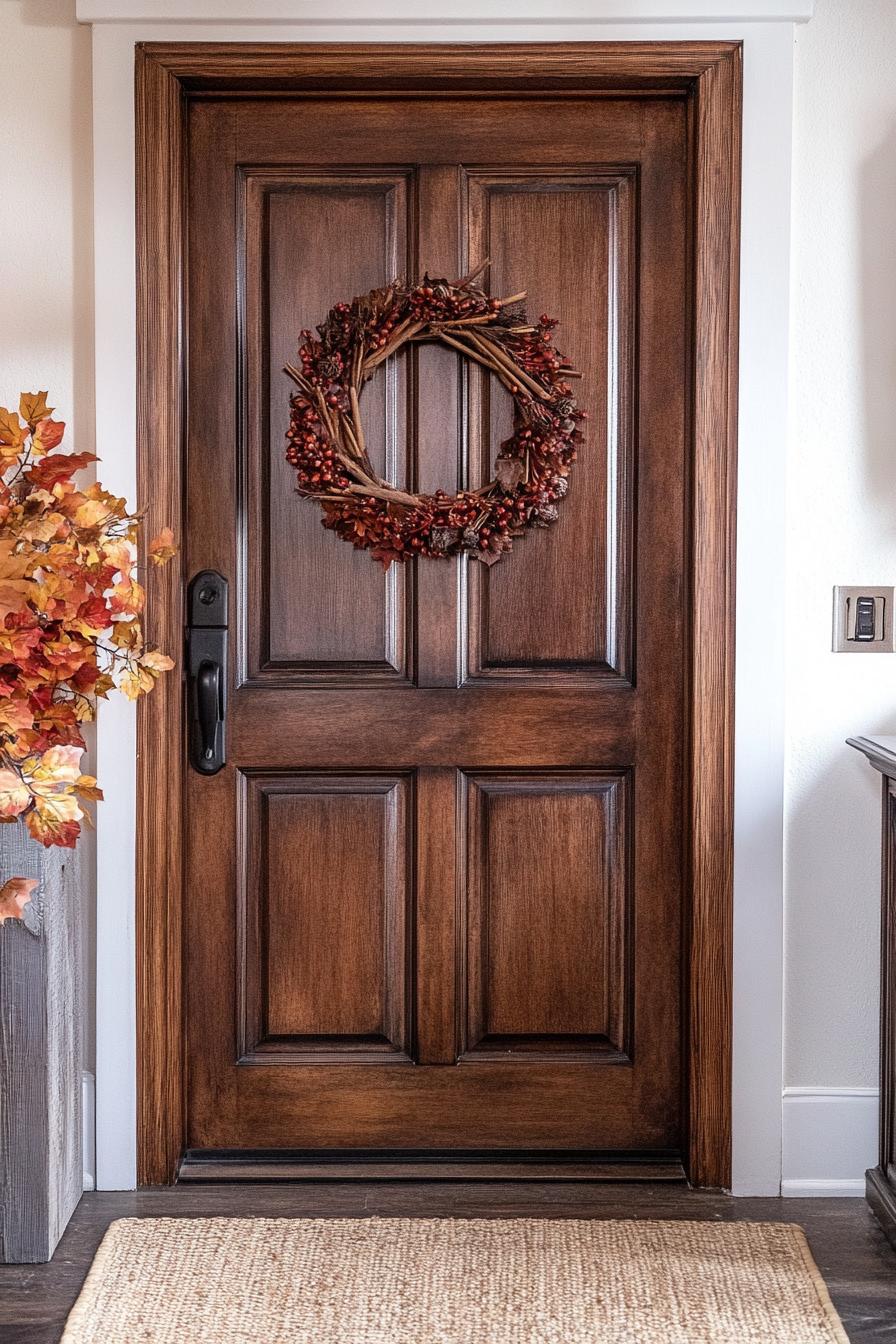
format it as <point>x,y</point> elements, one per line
<point>451,1281</point>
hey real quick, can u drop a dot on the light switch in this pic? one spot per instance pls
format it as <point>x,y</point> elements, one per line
<point>863,619</point>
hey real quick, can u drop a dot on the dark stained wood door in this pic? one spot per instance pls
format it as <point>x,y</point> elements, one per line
<point>434,900</point>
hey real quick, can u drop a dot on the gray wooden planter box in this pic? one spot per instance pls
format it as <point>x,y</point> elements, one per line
<point>41,1167</point>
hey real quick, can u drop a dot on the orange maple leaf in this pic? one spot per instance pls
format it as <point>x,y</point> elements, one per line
<point>14,896</point>
<point>127,598</point>
<point>47,435</point>
<point>52,830</point>
<point>15,716</point>
<point>162,547</point>
<point>46,473</point>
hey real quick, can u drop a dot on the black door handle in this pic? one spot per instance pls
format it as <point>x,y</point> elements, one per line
<point>208,701</point>
<point>207,670</point>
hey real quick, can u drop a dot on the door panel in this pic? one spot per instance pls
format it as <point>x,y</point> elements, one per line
<point>443,911</point>
<point>547,906</point>
<point>333,616</point>
<point>327,917</point>
<point>567,237</point>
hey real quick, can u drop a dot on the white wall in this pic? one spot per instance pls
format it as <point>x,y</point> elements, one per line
<point>841,529</point>
<point>46,222</point>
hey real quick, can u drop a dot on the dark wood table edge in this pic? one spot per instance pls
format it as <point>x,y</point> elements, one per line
<point>881,1196</point>
<point>880,1186</point>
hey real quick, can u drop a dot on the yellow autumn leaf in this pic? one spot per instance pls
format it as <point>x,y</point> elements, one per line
<point>12,432</point>
<point>91,513</point>
<point>116,506</point>
<point>118,553</point>
<point>13,563</point>
<point>155,661</point>
<point>127,598</point>
<point>89,554</point>
<point>41,528</point>
<point>126,634</point>
<point>33,407</point>
<point>133,683</point>
<point>14,794</point>
<point>57,806</point>
<point>56,769</point>
<point>15,595</point>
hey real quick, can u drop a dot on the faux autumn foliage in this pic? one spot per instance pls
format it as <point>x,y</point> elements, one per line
<point>70,629</point>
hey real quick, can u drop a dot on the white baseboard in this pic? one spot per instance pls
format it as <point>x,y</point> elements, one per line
<point>823,1189</point>
<point>88,1139</point>
<point>830,1139</point>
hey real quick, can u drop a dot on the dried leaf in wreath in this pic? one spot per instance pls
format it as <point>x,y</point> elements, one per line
<point>489,557</point>
<point>509,472</point>
<point>499,546</point>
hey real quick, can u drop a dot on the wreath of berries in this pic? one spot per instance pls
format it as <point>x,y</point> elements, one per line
<point>326,440</point>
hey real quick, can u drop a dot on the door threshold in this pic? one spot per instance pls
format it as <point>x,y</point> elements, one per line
<point>378,1164</point>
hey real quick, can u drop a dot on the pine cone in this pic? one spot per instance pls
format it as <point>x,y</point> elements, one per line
<point>441,539</point>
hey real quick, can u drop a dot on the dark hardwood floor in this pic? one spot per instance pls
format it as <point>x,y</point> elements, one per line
<point>857,1262</point>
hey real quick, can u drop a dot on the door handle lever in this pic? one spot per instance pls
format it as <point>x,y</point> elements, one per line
<point>207,670</point>
<point>208,700</point>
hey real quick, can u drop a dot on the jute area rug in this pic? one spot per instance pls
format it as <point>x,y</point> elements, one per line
<point>451,1281</point>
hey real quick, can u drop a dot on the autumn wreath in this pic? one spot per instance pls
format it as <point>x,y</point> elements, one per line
<point>326,442</point>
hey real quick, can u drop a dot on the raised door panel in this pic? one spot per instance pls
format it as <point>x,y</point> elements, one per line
<point>326,918</point>
<point>546,960</point>
<point>317,611</point>
<point>561,612</point>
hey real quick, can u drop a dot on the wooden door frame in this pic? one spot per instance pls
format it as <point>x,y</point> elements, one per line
<point>708,74</point>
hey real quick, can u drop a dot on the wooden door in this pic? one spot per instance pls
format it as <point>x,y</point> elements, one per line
<point>436,902</point>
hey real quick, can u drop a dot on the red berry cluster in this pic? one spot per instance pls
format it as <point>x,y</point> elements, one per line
<point>325,443</point>
<point>311,451</point>
<point>437,301</point>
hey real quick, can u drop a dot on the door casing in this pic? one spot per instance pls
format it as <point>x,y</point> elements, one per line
<point>708,74</point>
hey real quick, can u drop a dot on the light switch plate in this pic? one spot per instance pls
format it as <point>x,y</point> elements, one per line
<point>853,619</point>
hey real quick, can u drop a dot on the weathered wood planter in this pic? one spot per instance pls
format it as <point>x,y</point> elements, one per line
<point>41,1169</point>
